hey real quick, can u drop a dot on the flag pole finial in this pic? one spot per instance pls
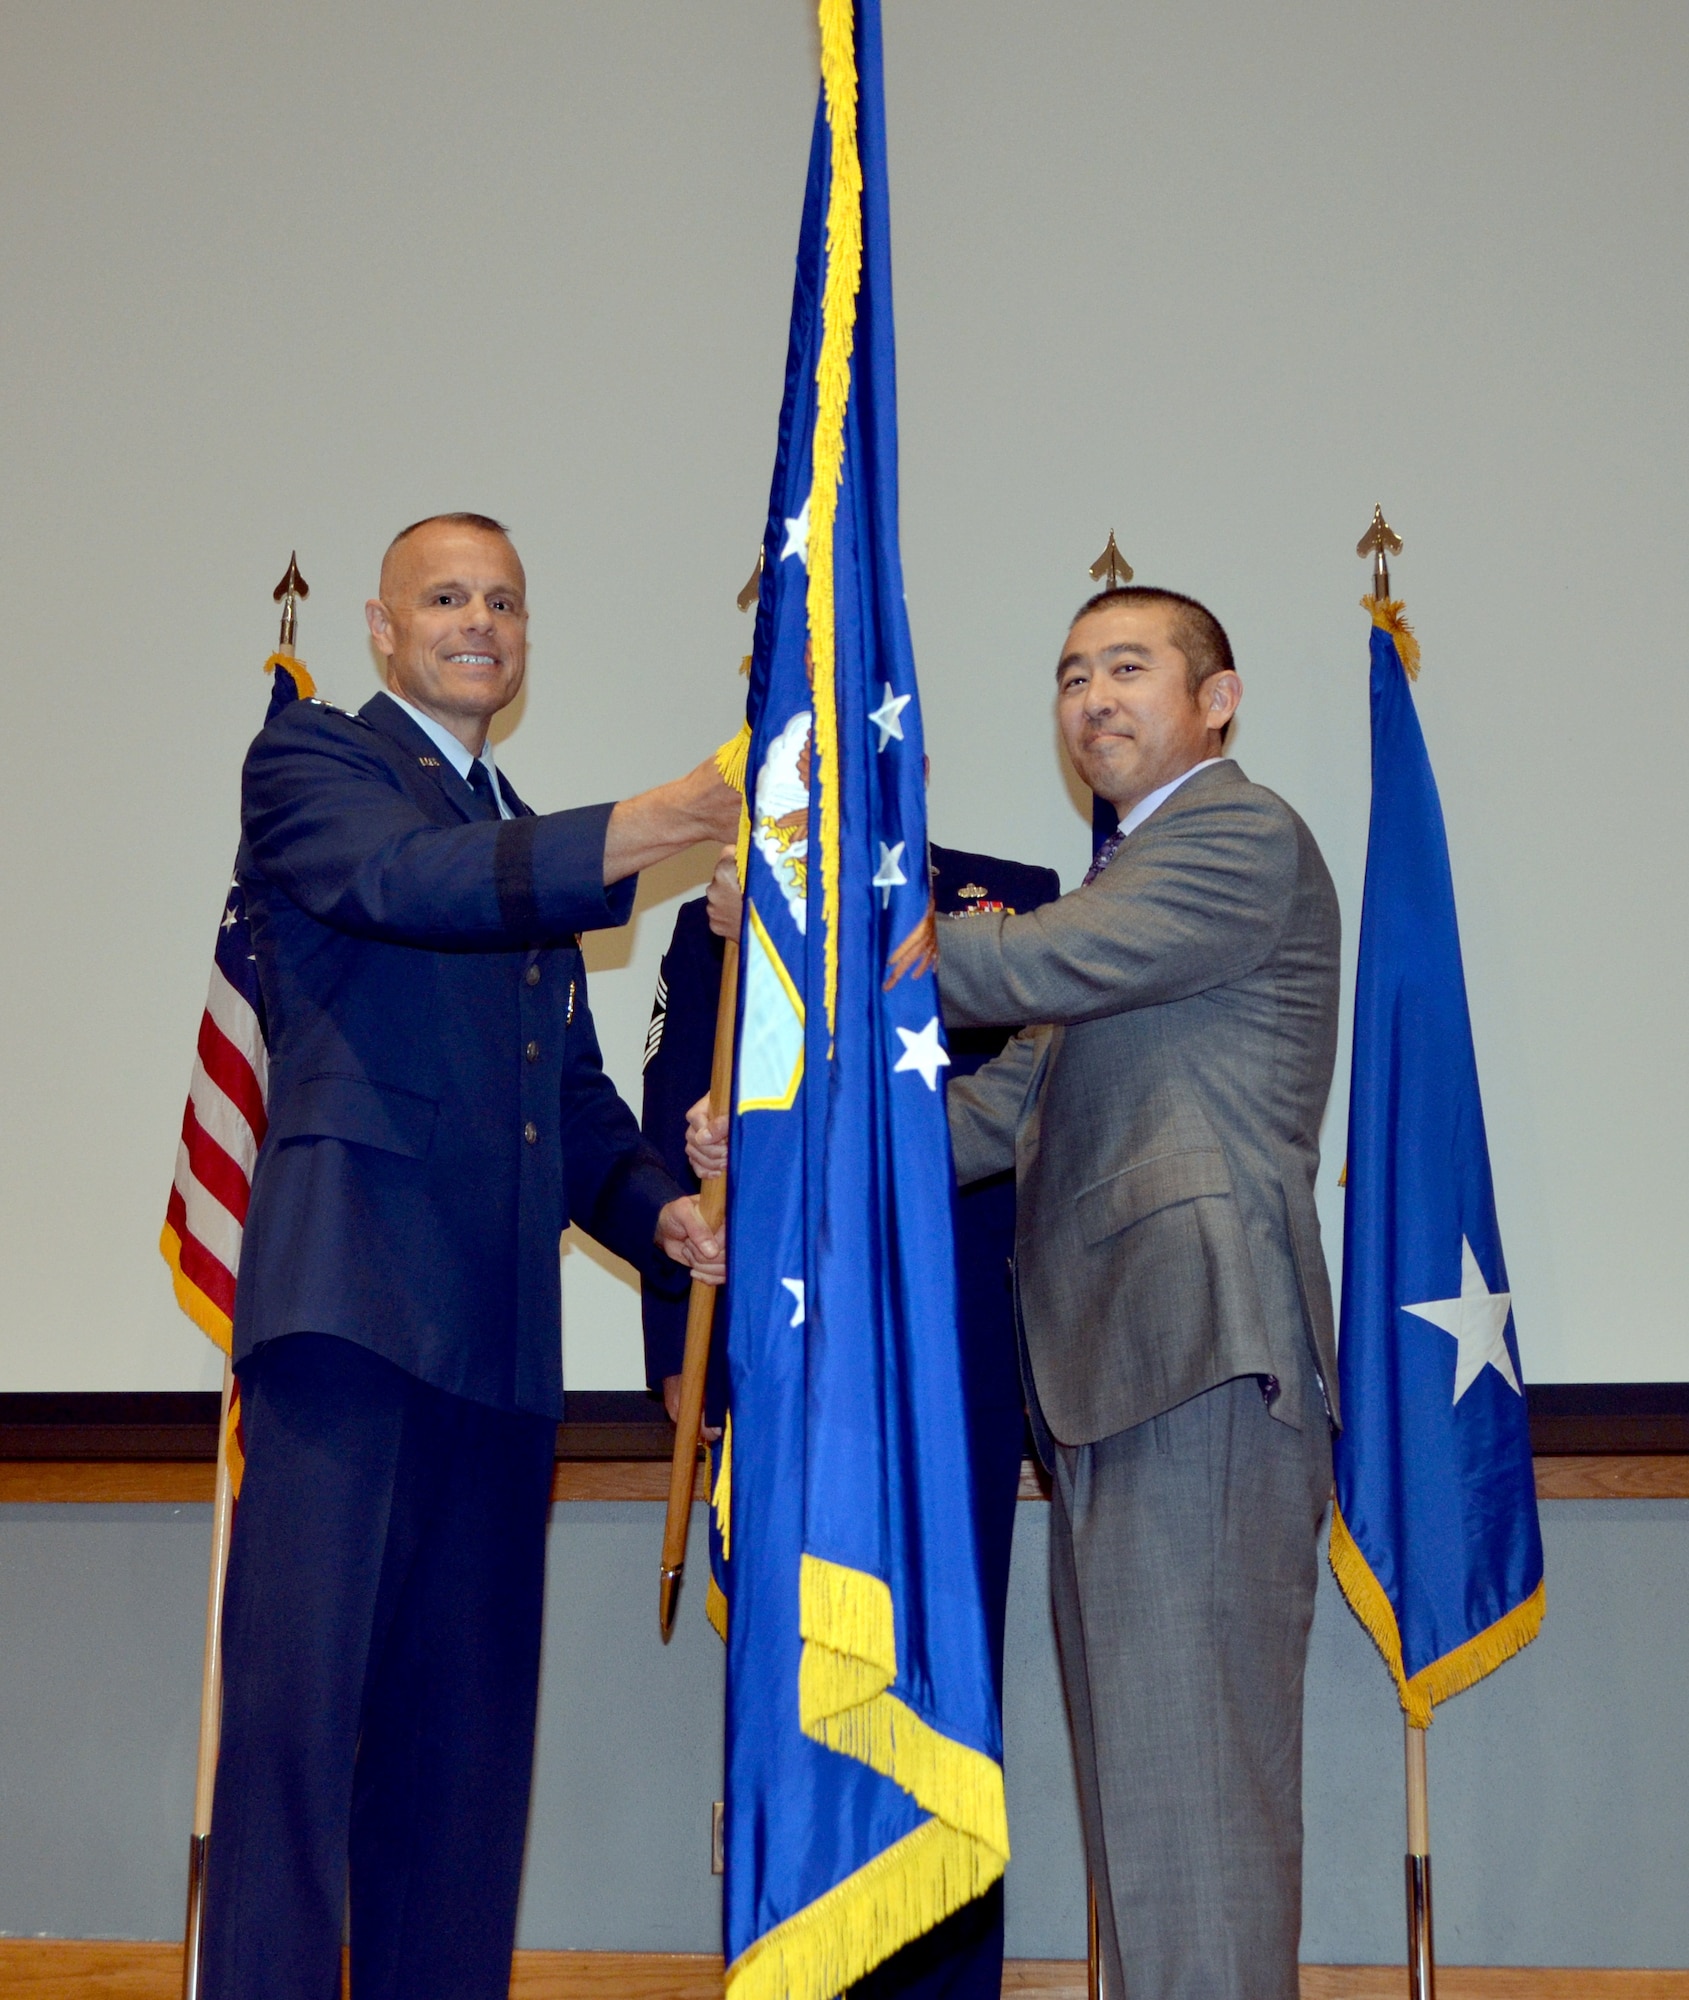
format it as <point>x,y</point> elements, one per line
<point>1380,542</point>
<point>287,594</point>
<point>1111,569</point>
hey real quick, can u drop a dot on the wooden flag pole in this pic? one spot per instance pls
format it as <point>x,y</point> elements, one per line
<point>700,1318</point>
<point>210,1703</point>
<point>1422,1960</point>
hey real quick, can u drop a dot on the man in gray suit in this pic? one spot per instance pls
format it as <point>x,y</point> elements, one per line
<point>1163,1126</point>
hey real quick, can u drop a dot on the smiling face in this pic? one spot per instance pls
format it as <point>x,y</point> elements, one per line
<point>452,624</point>
<point>1124,703</point>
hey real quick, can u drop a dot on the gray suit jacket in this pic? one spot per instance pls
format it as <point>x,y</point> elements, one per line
<point>1164,1124</point>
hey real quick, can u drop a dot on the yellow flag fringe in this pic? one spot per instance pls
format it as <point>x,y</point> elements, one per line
<point>721,1499</point>
<point>211,1320</point>
<point>1454,1672</point>
<point>1389,614</point>
<point>301,679</point>
<point>715,1609</point>
<point>731,758</point>
<point>862,1920</point>
<point>848,1663</point>
<point>832,377</point>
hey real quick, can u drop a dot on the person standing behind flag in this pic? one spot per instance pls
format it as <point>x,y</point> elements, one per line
<point>438,1113</point>
<point>1163,1126</point>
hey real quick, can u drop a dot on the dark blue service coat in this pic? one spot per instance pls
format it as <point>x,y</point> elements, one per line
<point>438,1107</point>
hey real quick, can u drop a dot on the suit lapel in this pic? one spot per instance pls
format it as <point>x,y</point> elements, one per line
<point>515,804</point>
<point>429,779</point>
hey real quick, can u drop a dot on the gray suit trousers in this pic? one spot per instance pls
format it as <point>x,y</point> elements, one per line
<point>1182,1563</point>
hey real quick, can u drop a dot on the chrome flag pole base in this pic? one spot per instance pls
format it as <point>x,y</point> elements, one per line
<point>668,1591</point>
<point>1422,1962</point>
<point>194,1931</point>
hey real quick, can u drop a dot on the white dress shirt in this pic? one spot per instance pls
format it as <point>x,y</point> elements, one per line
<point>460,759</point>
<point>1142,810</point>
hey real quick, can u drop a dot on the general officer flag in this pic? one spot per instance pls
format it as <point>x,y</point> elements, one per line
<point>1434,1538</point>
<point>864,1761</point>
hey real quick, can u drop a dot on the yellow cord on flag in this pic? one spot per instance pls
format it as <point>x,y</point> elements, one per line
<point>832,377</point>
<point>1389,614</point>
<point>301,679</point>
<point>1454,1672</point>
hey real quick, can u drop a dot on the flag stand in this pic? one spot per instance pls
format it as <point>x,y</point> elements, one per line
<point>1422,1961</point>
<point>210,1703</point>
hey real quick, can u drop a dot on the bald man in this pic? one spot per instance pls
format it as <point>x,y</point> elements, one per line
<point>438,1115</point>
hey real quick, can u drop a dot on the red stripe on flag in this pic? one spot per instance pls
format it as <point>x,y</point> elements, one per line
<point>213,1277</point>
<point>232,1072</point>
<point>213,1168</point>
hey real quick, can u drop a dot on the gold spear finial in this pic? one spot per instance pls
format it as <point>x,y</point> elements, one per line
<point>287,594</point>
<point>1380,542</point>
<point>1112,565</point>
<point>752,591</point>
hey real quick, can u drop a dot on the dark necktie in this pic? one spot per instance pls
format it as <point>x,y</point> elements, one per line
<point>1104,855</point>
<point>480,782</point>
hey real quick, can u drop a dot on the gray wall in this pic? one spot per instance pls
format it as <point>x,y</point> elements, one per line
<point>1213,273</point>
<point>1559,1787</point>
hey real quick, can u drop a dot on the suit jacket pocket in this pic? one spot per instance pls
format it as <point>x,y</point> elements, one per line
<point>1146,1187</point>
<point>354,1109</point>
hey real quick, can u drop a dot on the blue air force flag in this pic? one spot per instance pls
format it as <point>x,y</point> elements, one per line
<point>1434,1538</point>
<point>864,1760</point>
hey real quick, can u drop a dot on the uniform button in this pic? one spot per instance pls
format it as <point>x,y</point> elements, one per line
<point>532,1052</point>
<point>532,975</point>
<point>531,1132</point>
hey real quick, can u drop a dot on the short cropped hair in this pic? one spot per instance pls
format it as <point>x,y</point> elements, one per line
<point>1193,628</point>
<point>484,522</point>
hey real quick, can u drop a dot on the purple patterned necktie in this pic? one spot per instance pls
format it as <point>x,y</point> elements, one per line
<point>1103,856</point>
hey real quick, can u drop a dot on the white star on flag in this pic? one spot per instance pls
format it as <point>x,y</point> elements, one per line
<point>888,717</point>
<point>891,875</point>
<point>1478,1322</point>
<point>229,918</point>
<point>795,1287</point>
<point>923,1054</point>
<point>797,536</point>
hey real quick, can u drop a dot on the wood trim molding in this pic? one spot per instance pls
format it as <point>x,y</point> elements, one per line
<point>1588,1419</point>
<point>1653,1477</point>
<point>72,1969</point>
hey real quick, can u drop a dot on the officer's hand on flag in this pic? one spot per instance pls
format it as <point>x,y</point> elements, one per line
<point>685,1236</point>
<point>724,898</point>
<point>706,1141</point>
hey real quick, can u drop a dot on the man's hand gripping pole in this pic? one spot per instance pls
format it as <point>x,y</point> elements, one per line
<point>712,1201</point>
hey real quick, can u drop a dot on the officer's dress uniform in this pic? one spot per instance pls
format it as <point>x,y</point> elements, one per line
<point>962,1958</point>
<point>438,1114</point>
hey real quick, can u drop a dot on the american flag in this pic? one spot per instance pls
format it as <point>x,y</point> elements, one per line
<point>224,1120</point>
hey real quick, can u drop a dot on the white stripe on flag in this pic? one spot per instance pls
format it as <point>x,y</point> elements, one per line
<point>222,1118</point>
<point>233,1014</point>
<point>209,1222</point>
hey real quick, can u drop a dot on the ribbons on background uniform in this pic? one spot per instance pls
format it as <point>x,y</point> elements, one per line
<point>1434,1538</point>
<point>224,1121</point>
<point>864,1757</point>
